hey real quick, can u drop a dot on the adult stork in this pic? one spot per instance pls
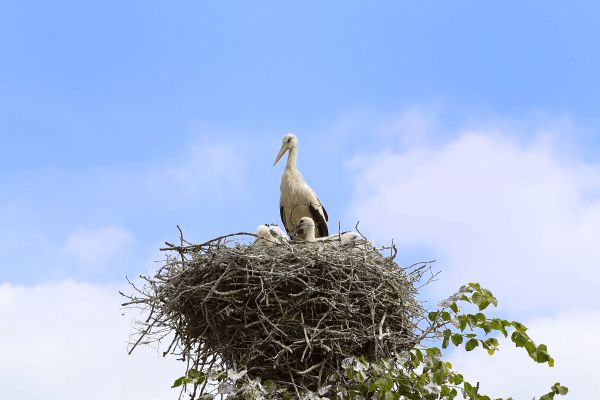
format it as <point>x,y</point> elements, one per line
<point>305,230</point>
<point>297,198</point>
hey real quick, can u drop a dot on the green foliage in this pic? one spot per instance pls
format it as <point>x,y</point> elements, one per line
<point>192,377</point>
<point>423,374</point>
<point>471,326</point>
<point>420,373</point>
<point>556,389</point>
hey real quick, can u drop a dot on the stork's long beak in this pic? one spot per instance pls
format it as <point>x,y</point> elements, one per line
<point>281,153</point>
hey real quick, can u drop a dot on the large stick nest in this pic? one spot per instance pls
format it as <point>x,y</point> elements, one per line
<point>287,312</point>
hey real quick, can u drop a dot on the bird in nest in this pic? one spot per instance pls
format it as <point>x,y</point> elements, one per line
<point>297,199</point>
<point>305,230</point>
<point>269,235</point>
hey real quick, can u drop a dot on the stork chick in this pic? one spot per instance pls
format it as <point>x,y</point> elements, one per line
<point>305,230</point>
<point>269,235</point>
<point>297,199</point>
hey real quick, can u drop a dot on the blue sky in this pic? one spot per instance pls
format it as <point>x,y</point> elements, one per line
<point>466,131</point>
<point>102,77</point>
<point>91,90</point>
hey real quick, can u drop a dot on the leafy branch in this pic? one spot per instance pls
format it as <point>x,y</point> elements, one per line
<point>415,374</point>
<point>421,373</point>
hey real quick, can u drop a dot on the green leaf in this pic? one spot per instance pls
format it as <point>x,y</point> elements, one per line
<point>445,392</point>
<point>519,326</point>
<point>457,339</point>
<point>458,379</point>
<point>496,324</point>
<point>192,373</point>
<point>471,344</point>
<point>476,298</point>
<point>389,395</point>
<point>491,297</point>
<point>483,299</point>
<point>439,376</point>
<point>454,307</point>
<point>382,384</point>
<point>196,376</point>
<point>416,358</point>
<point>556,389</point>
<point>180,381</point>
<point>350,374</point>
<point>480,317</point>
<point>541,357</point>
<point>445,316</point>
<point>519,338</point>
<point>486,328</point>
<point>562,390</point>
<point>463,320</point>
<point>472,319</point>
<point>432,315</point>
<point>445,343</point>
<point>446,340</point>
<point>419,354</point>
<point>433,352</point>
<point>468,389</point>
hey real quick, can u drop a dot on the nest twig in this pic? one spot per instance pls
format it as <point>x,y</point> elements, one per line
<point>289,312</point>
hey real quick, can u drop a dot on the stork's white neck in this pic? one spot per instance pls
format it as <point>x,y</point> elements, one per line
<point>291,160</point>
<point>310,233</point>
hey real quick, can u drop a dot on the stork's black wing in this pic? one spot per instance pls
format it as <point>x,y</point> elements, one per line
<point>324,211</point>
<point>281,214</point>
<point>320,220</point>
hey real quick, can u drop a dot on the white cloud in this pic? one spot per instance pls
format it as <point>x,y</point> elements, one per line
<point>67,340</point>
<point>516,216</point>
<point>510,372</point>
<point>521,216</point>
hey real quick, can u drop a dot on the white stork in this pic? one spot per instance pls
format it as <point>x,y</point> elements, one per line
<point>297,198</point>
<point>270,234</point>
<point>305,230</point>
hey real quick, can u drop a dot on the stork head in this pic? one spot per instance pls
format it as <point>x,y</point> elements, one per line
<point>305,228</point>
<point>289,142</point>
